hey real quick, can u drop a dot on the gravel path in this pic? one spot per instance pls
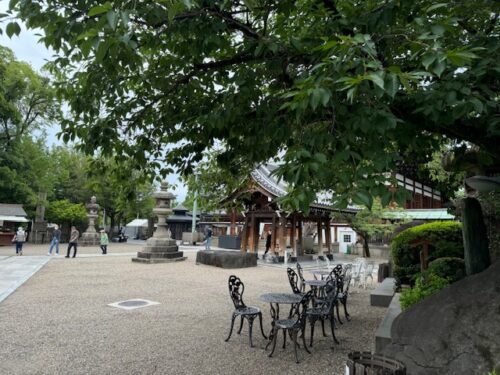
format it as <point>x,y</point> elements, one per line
<point>58,322</point>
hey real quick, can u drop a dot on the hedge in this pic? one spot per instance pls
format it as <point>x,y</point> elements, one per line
<point>445,239</point>
<point>449,268</point>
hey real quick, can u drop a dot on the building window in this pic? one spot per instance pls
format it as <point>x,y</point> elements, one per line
<point>347,238</point>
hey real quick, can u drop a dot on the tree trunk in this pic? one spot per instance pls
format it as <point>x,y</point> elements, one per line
<point>366,248</point>
<point>476,249</point>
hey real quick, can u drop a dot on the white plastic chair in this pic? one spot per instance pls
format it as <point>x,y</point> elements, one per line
<point>368,273</point>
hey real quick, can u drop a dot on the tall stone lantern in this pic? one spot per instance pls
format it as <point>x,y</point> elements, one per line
<point>90,237</point>
<point>161,248</point>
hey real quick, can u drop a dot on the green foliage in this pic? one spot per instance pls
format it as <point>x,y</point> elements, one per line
<point>212,184</point>
<point>424,287</point>
<point>446,241</point>
<point>64,211</point>
<point>450,268</point>
<point>341,91</point>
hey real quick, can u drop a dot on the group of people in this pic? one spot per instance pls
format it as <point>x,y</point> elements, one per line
<point>73,241</point>
<point>20,238</point>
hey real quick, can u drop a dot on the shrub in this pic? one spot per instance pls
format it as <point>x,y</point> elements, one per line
<point>446,241</point>
<point>424,287</point>
<point>449,268</point>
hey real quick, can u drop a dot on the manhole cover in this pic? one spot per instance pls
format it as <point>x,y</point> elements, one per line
<point>133,304</point>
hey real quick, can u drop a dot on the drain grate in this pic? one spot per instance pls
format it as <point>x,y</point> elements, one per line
<point>132,304</point>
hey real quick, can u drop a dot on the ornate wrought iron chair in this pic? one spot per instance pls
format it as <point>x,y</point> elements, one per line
<point>300,272</point>
<point>293,325</point>
<point>293,279</point>
<point>324,310</point>
<point>236,289</point>
<point>343,284</point>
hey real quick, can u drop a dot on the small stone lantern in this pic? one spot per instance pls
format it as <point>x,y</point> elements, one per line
<point>161,247</point>
<point>90,237</point>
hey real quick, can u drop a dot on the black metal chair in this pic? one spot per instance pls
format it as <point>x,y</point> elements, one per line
<point>293,279</point>
<point>343,293</point>
<point>300,272</point>
<point>323,310</point>
<point>293,325</point>
<point>236,289</point>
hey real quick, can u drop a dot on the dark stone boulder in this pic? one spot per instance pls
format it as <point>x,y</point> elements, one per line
<point>455,331</point>
<point>226,258</point>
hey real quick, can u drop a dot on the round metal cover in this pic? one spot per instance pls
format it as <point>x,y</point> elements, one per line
<point>133,303</point>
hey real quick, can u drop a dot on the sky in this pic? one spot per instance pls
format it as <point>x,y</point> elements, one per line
<point>26,48</point>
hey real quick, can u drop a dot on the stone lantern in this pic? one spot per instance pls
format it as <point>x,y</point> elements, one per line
<point>90,237</point>
<point>161,247</point>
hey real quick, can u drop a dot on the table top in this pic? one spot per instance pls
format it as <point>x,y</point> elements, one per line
<point>288,298</point>
<point>319,283</point>
<point>321,272</point>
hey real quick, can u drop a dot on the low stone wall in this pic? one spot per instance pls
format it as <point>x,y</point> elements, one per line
<point>226,258</point>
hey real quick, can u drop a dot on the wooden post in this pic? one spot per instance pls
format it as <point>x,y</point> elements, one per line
<point>281,235</point>
<point>320,236</point>
<point>328,235</point>
<point>292,234</point>
<point>232,228</point>
<point>335,239</point>
<point>244,235</point>
<point>273,234</point>
<point>251,232</point>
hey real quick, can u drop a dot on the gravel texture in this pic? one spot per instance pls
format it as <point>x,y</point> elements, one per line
<point>31,249</point>
<point>59,322</point>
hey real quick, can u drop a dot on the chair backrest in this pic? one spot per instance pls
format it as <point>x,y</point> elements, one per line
<point>331,291</point>
<point>301,277</point>
<point>337,270</point>
<point>347,269</point>
<point>236,289</point>
<point>293,280</point>
<point>369,269</point>
<point>299,310</point>
<point>346,282</point>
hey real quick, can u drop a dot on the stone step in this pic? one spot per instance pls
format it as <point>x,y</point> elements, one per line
<point>383,293</point>
<point>383,333</point>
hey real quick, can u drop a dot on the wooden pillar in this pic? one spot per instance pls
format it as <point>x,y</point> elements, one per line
<point>281,235</point>
<point>320,235</point>
<point>251,233</point>
<point>232,228</point>
<point>244,235</point>
<point>328,235</point>
<point>273,234</point>
<point>292,234</point>
<point>335,233</point>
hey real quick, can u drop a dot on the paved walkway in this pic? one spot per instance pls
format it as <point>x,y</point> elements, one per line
<point>15,270</point>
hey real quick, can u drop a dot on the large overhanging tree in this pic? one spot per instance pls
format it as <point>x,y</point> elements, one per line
<point>341,90</point>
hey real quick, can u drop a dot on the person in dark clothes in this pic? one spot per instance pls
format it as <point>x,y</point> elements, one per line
<point>269,237</point>
<point>73,241</point>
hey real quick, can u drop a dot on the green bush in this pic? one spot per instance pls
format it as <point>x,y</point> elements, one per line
<point>446,241</point>
<point>449,268</point>
<point>424,287</point>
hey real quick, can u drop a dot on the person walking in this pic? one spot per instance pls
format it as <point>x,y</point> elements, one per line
<point>56,238</point>
<point>104,242</point>
<point>208,239</point>
<point>269,236</point>
<point>73,241</point>
<point>19,239</point>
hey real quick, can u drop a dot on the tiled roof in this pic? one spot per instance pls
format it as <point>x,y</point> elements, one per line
<point>8,209</point>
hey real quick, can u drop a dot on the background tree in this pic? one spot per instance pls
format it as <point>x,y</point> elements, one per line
<point>66,213</point>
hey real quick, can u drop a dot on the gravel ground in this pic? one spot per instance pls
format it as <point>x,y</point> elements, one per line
<point>58,322</point>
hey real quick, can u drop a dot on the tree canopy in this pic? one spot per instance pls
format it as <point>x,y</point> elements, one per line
<point>341,91</point>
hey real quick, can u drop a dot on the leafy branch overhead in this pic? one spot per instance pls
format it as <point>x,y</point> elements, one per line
<point>340,90</point>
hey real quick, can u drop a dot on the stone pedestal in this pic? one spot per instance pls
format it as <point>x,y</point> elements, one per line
<point>161,248</point>
<point>90,237</point>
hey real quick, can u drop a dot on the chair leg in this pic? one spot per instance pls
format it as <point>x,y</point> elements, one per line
<point>295,344</point>
<point>338,314</point>
<point>231,329</point>
<point>275,334</point>
<point>241,324</point>
<point>312,322</point>
<point>332,325</point>
<point>304,340</point>
<point>347,316</point>
<point>284,338</point>
<point>250,326</point>
<point>261,328</point>
<point>323,327</point>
